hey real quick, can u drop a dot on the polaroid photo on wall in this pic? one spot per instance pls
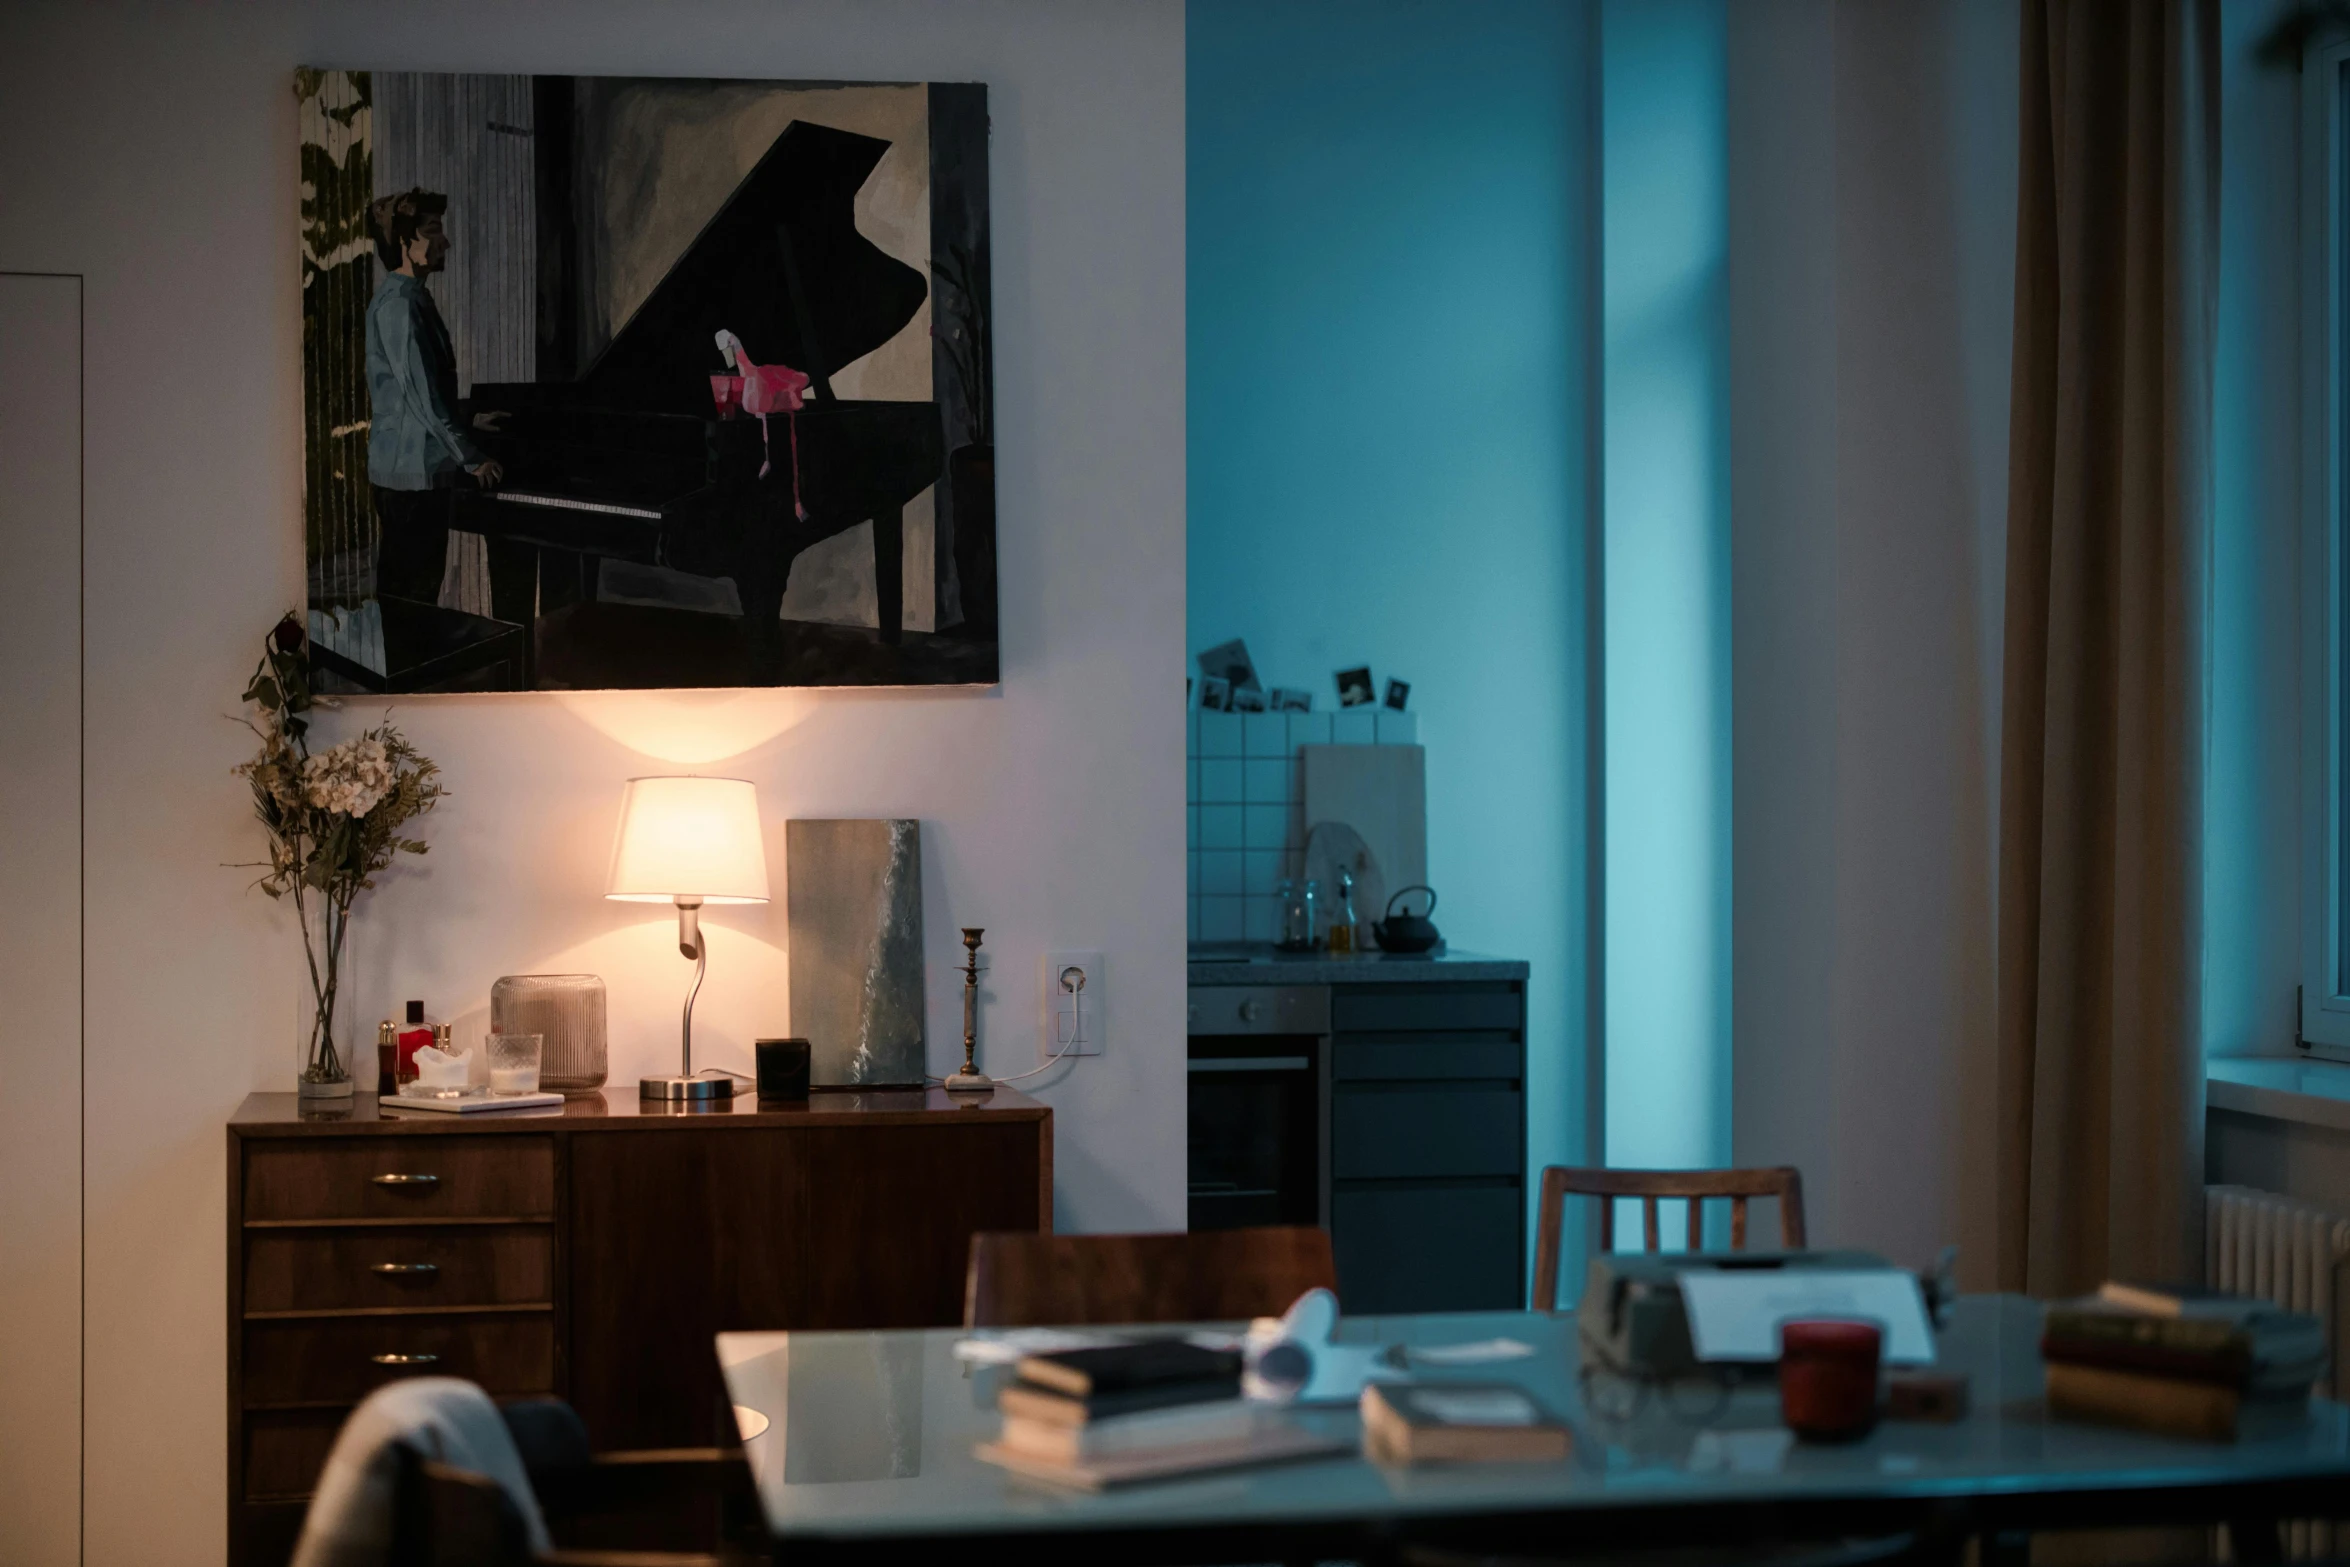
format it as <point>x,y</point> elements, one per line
<point>1398,693</point>
<point>1215,696</point>
<point>1288,699</point>
<point>1230,663</point>
<point>1247,700</point>
<point>1354,687</point>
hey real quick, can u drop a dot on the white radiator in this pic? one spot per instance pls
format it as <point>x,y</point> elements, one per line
<point>2283,1250</point>
<point>2276,1248</point>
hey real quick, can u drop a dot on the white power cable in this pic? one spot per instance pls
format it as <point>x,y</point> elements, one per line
<point>1073,981</point>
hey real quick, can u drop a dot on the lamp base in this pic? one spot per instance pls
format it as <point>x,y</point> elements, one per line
<point>970,1083</point>
<point>685,1088</point>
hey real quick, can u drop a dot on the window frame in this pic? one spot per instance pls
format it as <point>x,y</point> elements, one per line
<point>2323,1022</point>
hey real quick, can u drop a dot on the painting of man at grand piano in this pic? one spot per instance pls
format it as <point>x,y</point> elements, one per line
<point>633,382</point>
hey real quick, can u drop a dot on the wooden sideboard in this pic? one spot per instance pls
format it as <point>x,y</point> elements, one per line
<point>590,1252</point>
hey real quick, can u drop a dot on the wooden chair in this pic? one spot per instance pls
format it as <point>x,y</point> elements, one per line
<point>451,1517</point>
<point>1021,1279</point>
<point>601,1508</point>
<point>1783,1182</point>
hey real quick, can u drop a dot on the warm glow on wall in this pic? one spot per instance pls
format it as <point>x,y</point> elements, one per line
<point>690,728</point>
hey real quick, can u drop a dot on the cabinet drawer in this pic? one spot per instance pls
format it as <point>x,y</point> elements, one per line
<point>334,1360</point>
<point>396,1265</point>
<point>1428,1248</point>
<point>285,1450</point>
<point>1378,1132</point>
<point>1382,1009</point>
<point>417,1177</point>
<point>1405,1057</point>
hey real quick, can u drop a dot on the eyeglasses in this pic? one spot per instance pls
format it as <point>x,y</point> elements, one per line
<point>1695,1400</point>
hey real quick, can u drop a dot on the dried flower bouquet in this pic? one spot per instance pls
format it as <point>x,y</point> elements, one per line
<point>333,821</point>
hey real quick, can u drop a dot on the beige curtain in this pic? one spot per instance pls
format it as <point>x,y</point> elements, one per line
<point>2099,1153</point>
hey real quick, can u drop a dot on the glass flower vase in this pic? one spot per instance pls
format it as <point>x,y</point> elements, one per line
<point>325,1070</point>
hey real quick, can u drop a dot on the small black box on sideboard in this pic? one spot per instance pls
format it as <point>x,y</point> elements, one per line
<point>783,1068</point>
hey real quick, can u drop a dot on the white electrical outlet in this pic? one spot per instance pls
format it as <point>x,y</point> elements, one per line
<point>1076,1006</point>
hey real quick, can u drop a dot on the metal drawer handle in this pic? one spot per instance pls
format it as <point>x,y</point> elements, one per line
<point>407,1180</point>
<point>406,1267</point>
<point>405,1360</point>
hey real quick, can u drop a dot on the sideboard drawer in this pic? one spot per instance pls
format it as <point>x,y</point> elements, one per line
<point>399,1265</point>
<point>285,1449</point>
<point>336,1360</point>
<point>418,1177</point>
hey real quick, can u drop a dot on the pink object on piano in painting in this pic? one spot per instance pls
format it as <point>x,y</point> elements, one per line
<point>762,390</point>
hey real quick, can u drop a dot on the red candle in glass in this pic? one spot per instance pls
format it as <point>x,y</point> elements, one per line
<point>1828,1378</point>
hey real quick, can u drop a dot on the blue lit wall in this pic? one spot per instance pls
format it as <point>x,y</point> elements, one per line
<point>1667,583</point>
<point>2251,804</point>
<point>1388,284</point>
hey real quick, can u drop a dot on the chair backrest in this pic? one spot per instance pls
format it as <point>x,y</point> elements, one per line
<point>444,1516</point>
<point>1023,1279</point>
<point>1783,1182</point>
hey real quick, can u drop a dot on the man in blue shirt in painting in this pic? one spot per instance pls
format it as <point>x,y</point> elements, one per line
<point>418,449</point>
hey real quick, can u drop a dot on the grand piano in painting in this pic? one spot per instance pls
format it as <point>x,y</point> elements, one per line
<point>634,460</point>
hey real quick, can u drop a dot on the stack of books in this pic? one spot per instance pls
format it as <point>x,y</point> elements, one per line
<point>1122,1412</point>
<point>2181,1362</point>
<point>1460,1422</point>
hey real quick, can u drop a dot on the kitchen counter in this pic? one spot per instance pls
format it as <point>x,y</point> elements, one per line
<point>1257,963</point>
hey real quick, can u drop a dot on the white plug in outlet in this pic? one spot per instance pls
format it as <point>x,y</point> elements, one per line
<point>1076,1007</point>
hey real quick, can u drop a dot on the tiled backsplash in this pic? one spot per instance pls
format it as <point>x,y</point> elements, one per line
<point>1247,806</point>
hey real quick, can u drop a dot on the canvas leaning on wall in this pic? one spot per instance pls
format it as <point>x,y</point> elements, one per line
<point>617,382</point>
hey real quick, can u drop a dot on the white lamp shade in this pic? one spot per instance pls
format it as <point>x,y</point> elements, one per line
<point>688,838</point>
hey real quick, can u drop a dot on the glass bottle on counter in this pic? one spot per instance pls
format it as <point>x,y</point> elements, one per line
<point>1297,929</point>
<point>1342,917</point>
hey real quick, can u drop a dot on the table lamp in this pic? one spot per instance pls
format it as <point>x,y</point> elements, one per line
<point>688,841</point>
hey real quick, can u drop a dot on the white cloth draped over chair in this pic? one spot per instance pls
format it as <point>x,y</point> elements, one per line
<point>440,1418</point>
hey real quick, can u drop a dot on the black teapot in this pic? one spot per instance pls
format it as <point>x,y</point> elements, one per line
<point>1407,933</point>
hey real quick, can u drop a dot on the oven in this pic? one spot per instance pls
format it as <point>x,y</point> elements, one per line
<point>1259,1112</point>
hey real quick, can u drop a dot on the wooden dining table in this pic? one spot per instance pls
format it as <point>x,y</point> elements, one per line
<point>861,1447</point>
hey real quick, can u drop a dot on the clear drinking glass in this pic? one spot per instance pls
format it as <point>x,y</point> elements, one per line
<point>514,1063</point>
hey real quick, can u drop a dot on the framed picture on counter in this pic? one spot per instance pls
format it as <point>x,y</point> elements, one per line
<point>614,382</point>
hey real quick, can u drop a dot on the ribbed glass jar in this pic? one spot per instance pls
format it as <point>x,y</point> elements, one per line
<point>567,1012</point>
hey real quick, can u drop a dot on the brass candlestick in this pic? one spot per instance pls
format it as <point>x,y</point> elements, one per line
<point>971,1079</point>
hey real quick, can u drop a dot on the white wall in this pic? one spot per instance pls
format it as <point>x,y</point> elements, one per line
<point>153,151</point>
<point>1389,355</point>
<point>1872,253</point>
<point>41,887</point>
<point>1872,242</point>
<point>1668,649</point>
<point>2251,860</point>
<point>1783,349</point>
